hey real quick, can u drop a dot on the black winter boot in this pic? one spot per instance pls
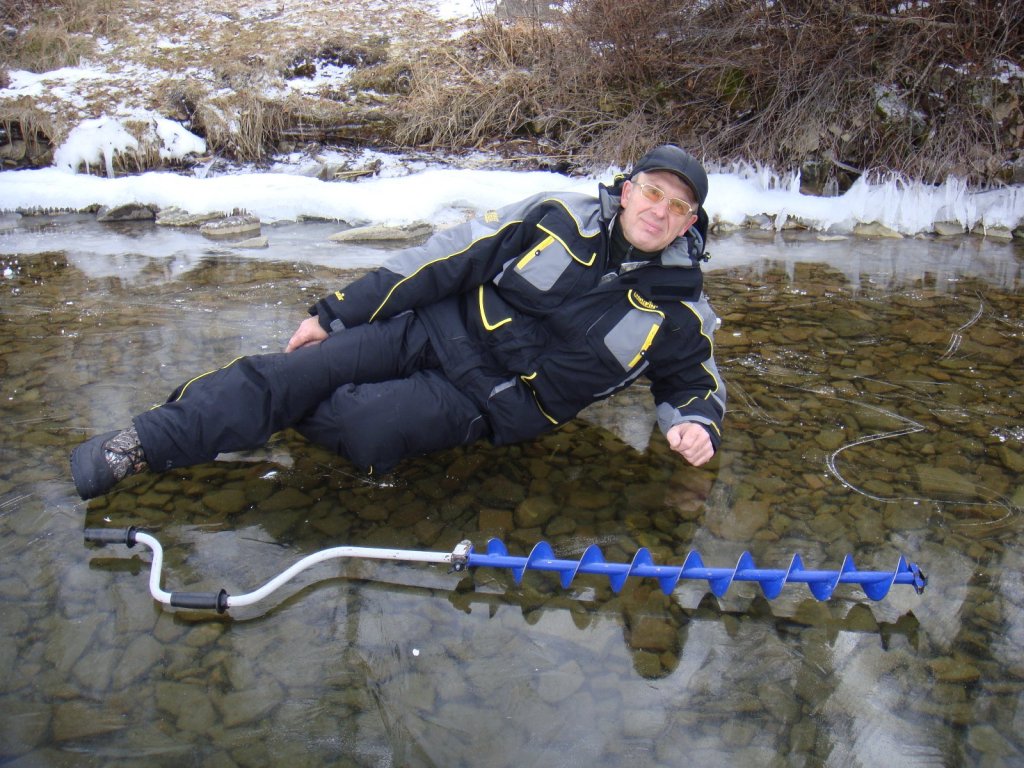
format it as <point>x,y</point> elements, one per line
<point>101,462</point>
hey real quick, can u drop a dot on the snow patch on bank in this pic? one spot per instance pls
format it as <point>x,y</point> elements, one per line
<point>403,192</point>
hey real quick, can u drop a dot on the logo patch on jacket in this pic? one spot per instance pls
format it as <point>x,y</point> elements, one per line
<point>641,301</point>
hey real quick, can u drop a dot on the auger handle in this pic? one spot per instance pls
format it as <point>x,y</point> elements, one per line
<point>104,536</point>
<point>201,600</point>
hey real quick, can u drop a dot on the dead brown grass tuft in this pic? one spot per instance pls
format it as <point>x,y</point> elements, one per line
<point>51,35</point>
<point>25,137</point>
<point>486,85</point>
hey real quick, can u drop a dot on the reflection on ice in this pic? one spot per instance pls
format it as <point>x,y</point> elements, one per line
<point>882,263</point>
<point>125,251</point>
<point>105,250</point>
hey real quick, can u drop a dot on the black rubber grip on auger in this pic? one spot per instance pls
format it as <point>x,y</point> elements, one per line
<point>201,600</point>
<point>102,536</point>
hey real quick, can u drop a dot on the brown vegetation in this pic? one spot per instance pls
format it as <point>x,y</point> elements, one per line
<point>829,87</point>
<point>60,33</point>
<point>834,89</point>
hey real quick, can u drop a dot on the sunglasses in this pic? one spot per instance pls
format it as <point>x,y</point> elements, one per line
<point>676,205</point>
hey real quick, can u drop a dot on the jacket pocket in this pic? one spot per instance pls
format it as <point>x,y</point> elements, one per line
<point>629,337</point>
<point>542,277</point>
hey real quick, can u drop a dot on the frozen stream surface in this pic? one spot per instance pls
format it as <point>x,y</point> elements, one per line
<point>875,409</point>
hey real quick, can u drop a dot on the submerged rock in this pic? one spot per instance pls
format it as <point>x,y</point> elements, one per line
<point>378,233</point>
<point>178,217</point>
<point>128,212</point>
<point>948,228</point>
<point>875,229</point>
<point>231,227</point>
<point>254,243</point>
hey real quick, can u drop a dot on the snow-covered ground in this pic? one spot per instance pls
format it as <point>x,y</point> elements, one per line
<point>404,191</point>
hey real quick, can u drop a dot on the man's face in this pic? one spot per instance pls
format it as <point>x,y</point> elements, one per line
<point>652,226</point>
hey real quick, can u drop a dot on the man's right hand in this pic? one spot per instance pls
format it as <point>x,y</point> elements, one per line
<point>308,332</point>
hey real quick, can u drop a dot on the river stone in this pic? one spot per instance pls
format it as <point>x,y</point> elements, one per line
<point>228,501</point>
<point>774,441</point>
<point>253,242</point>
<point>177,217</point>
<point>204,635</point>
<point>535,511</point>
<point>759,221</point>
<point>76,720</point>
<point>63,656</point>
<point>562,683</point>
<point>141,656</point>
<point>1017,499</point>
<point>590,499</point>
<point>22,726</point>
<point>648,665</point>
<point>285,499</point>
<point>464,467</point>
<point>746,518</point>
<point>231,227</point>
<point>428,531</point>
<point>127,212</point>
<point>198,717</point>
<point>989,742</point>
<point>1012,460</point>
<point>499,491</point>
<point>249,705</point>
<point>417,230</point>
<point>562,525</point>
<point>875,229</point>
<point>494,520</point>
<point>941,481</point>
<point>948,228</point>
<point>418,691</point>
<point>651,633</point>
<point>993,233</point>
<point>739,733</point>
<point>954,670</point>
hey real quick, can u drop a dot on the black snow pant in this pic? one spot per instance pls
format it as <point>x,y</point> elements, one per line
<point>375,394</point>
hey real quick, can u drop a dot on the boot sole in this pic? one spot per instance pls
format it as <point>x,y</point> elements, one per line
<point>89,468</point>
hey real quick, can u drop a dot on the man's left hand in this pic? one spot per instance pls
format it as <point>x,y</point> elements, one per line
<point>691,441</point>
<point>308,332</point>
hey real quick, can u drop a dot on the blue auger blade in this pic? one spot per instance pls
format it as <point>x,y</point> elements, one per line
<point>541,558</point>
<point>771,585</point>
<point>641,561</point>
<point>877,590</point>
<point>592,557</point>
<point>876,584</point>
<point>823,583</point>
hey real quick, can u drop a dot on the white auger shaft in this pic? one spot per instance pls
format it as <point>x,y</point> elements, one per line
<point>222,601</point>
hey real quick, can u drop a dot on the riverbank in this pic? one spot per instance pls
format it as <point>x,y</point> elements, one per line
<point>398,192</point>
<point>533,87</point>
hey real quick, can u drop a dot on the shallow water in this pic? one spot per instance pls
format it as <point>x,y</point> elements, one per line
<point>874,410</point>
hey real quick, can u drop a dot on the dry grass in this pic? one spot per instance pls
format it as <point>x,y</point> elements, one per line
<point>839,87</point>
<point>55,35</point>
<point>466,94</point>
<point>27,130</point>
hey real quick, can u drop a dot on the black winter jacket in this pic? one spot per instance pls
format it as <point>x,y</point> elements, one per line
<point>529,318</point>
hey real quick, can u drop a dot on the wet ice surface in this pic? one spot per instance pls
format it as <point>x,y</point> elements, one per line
<point>874,410</point>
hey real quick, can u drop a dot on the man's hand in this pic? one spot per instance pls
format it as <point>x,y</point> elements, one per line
<point>691,441</point>
<point>308,332</point>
